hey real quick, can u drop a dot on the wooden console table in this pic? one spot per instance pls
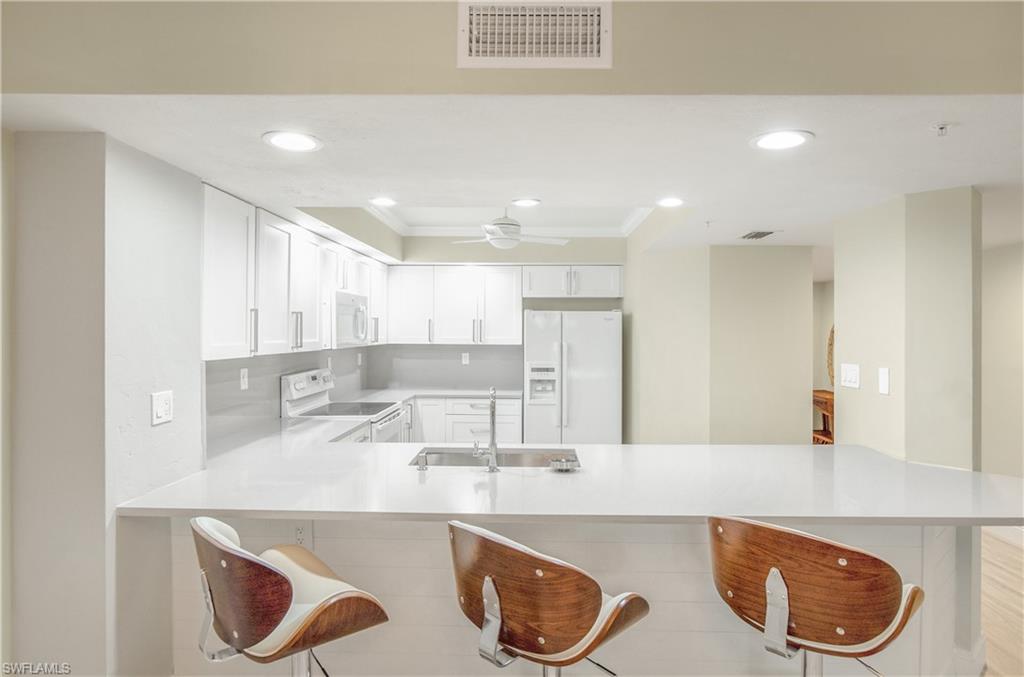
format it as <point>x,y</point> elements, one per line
<point>824,403</point>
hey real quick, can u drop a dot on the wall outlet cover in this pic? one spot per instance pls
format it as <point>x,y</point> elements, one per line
<point>359,359</point>
<point>243,379</point>
<point>161,407</point>
<point>849,375</point>
<point>465,358</point>
<point>330,362</point>
<point>884,385</point>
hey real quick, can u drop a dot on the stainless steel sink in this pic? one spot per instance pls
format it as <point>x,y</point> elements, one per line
<point>558,459</point>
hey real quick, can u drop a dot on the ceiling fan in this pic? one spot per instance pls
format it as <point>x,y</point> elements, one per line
<point>505,232</point>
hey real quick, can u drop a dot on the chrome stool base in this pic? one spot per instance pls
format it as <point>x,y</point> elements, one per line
<point>550,671</point>
<point>813,664</point>
<point>301,664</point>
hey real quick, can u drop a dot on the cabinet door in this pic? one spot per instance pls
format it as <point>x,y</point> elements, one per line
<point>328,285</point>
<point>428,423</point>
<point>468,429</point>
<point>545,281</point>
<point>501,305</point>
<point>596,281</point>
<point>378,302</point>
<point>229,276</point>
<point>356,274</point>
<point>304,289</point>
<point>410,304</point>
<point>274,326</point>
<point>456,298</point>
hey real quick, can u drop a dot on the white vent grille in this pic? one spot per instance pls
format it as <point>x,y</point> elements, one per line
<point>528,35</point>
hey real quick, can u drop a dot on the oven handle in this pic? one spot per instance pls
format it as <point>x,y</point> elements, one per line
<point>390,419</point>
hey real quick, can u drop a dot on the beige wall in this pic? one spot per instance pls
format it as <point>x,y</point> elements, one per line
<point>824,317</point>
<point>760,338</point>
<point>943,327</point>
<point>870,312</point>
<point>579,250</point>
<point>408,47</point>
<point>1002,435</point>
<point>362,226</point>
<point>6,296</point>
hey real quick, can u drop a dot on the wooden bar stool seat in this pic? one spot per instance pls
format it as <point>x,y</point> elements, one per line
<point>533,606</point>
<point>809,593</point>
<point>283,602</point>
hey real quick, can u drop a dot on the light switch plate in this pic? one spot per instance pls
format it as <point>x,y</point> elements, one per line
<point>161,407</point>
<point>849,375</point>
<point>883,381</point>
<point>465,358</point>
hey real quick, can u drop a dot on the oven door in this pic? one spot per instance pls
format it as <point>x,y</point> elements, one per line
<point>350,319</point>
<point>390,428</point>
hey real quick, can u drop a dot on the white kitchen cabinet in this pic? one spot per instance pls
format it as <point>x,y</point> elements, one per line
<point>468,429</point>
<point>545,281</point>
<point>596,281</point>
<point>410,304</point>
<point>456,304</point>
<point>274,326</point>
<point>378,302</point>
<point>429,420</point>
<point>572,281</point>
<point>229,276</point>
<point>304,289</point>
<point>328,287</point>
<point>354,273</point>
<point>500,305</point>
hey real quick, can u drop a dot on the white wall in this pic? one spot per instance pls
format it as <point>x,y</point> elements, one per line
<point>58,489</point>
<point>761,324</point>
<point>870,312</point>
<point>943,324</point>
<point>1002,434</point>
<point>824,318</point>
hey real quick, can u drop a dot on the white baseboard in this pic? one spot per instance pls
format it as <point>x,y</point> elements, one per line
<point>970,662</point>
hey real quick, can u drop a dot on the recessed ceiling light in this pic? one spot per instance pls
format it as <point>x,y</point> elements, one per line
<point>781,140</point>
<point>669,202</point>
<point>526,202</point>
<point>383,201</point>
<point>293,141</point>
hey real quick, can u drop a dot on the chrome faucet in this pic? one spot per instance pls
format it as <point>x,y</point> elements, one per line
<point>492,447</point>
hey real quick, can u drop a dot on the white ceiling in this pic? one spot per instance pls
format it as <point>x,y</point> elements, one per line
<point>455,161</point>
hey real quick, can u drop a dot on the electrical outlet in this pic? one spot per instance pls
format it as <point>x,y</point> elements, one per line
<point>330,362</point>
<point>243,379</point>
<point>465,358</point>
<point>849,375</point>
<point>300,536</point>
<point>359,359</point>
<point>161,407</point>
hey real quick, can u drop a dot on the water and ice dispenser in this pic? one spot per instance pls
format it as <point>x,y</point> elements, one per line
<point>542,383</point>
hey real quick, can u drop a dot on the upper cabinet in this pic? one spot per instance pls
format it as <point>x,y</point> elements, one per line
<point>328,286</point>
<point>229,276</point>
<point>572,281</point>
<point>354,274</point>
<point>304,289</point>
<point>466,305</point>
<point>274,328</point>
<point>378,302</point>
<point>410,304</point>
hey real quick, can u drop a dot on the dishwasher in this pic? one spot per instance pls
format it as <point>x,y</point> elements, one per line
<point>390,428</point>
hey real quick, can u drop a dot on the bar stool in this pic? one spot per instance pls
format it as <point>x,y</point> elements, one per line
<point>284,602</point>
<point>805,592</point>
<point>529,605</point>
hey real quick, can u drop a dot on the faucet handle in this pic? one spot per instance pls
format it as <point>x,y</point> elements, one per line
<point>493,392</point>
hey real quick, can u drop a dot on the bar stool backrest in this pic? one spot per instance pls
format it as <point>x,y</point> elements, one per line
<point>547,605</point>
<point>842,601</point>
<point>250,597</point>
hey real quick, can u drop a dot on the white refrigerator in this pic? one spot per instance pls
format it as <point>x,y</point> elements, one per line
<point>573,377</point>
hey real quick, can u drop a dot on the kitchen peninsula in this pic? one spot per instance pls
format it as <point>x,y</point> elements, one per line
<point>634,515</point>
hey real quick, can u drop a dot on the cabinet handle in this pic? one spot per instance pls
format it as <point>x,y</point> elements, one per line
<point>376,329</point>
<point>565,385</point>
<point>295,329</point>
<point>474,330</point>
<point>430,330</point>
<point>254,341</point>
<point>575,282</point>
<point>479,406</point>
<point>479,431</point>
<point>481,329</point>
<point>566,285</point>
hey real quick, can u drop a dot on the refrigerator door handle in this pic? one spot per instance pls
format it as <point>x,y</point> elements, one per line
<point>565,385</point>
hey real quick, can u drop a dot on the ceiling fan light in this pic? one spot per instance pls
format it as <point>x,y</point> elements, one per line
<point>503,242</point>
<point>526,202</point>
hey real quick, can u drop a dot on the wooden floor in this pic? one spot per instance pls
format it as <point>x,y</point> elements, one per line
<point>1002,605</point>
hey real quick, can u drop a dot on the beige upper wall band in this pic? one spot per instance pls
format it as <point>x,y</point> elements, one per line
<point>409,48</point>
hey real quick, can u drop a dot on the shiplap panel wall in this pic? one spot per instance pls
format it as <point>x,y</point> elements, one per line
<point>689,631</point>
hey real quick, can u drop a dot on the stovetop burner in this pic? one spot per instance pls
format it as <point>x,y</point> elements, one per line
<point>349,409</point>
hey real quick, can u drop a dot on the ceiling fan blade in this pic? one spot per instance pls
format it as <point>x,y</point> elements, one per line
<point>544,240</point>
<point>483,239</point>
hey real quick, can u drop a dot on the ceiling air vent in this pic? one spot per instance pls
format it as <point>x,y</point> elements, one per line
<point>535,35</point>
<point>757,234</point>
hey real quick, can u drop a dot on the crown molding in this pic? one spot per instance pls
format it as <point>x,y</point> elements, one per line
<point>635,218</point>
<point>390,220</point>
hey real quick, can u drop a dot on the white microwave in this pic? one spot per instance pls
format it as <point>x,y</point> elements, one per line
<point>350,320</point>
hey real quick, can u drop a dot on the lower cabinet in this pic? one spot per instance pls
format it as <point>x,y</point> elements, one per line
<point>466,420</point>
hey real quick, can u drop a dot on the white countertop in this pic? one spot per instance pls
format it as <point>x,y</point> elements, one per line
<point>297,473</point>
